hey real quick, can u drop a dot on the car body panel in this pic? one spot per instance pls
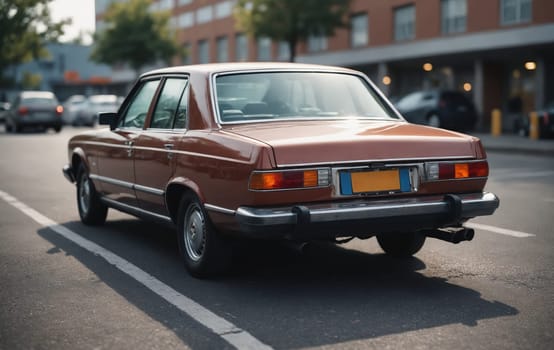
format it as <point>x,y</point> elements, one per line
<point>145,168</point>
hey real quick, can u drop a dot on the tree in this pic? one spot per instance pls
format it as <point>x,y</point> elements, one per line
<point>25,27</point>
<point>292,21</point>
<point>135,36</point>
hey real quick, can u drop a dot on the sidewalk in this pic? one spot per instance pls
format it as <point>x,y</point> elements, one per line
<point>510,143</point>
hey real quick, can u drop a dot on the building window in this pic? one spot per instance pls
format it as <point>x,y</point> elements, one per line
<point>283,51</point>
<point>203,51</point>
<point>359,33</point>
<point>204,14</point>
<point>317,43</point>
<point>515,11</point>
<point>185,20</point>
<point>404,23</point>
<point>241,48</point>
<point>453,16</point>
<point>222,49</point>
<point>264,49</point>
<point>224,9</point>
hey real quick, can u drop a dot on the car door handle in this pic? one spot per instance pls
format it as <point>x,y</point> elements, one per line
<point>169,147</point>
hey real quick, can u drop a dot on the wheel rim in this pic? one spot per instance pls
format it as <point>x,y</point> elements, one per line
<point>84,194</point>
<point>434,121</point>
<point>195,232</point>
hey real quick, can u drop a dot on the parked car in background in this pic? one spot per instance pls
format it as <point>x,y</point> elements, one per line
<point>545,122</point>
<point>34,109</point>
<point>4,108</point>
<point>439,108</point>
<point>83,110</point>
<point>276,151</point>
<point>72,107</point>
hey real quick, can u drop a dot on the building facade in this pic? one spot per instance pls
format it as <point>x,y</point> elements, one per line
<point>500,52</point>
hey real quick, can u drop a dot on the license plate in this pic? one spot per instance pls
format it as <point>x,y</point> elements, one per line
<point>375,181</point>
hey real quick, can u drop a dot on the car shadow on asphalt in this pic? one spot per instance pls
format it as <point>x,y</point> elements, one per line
<point>285,295</point>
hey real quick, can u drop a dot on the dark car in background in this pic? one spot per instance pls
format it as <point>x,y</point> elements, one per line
<point>4,108</point>
<point>545,124</point>
<point>439,108</point>
<point>34,109</point>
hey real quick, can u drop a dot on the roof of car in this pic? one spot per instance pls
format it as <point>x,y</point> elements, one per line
<point>37,94</point>
<point>245,66</point>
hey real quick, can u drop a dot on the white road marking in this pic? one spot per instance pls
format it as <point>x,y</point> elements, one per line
<point>235,336</point>
<point>500,230</point>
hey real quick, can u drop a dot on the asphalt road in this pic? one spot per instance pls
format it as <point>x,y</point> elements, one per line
<point>56,292</point>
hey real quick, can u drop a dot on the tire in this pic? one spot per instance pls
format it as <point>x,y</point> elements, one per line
<point>434,120</point>
<point>401,245</point>
<point>205,253</point>
<point>91,210</point>
<point>9,128</point>
<point>58,128</point>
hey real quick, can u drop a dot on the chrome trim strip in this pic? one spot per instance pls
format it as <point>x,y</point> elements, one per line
<point>217,209</point>
<point>150,190</point>
<point>134,210</point>
<point>419,160</point>
<point>111,181</point>
<point>128,185</point>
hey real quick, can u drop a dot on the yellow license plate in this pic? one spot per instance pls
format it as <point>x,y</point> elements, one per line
<point>375,181</point>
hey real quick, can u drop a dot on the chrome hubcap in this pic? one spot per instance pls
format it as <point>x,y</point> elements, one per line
<point>195,232</point>
<point>84,194</point>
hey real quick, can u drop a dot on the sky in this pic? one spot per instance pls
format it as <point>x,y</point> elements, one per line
<point>82,14</point>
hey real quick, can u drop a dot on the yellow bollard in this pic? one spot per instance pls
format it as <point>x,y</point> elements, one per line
<point>534,131</point>
<point>496,122</point>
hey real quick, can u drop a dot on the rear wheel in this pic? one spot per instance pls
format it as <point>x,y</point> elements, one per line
<point>204,252</point>
<point>91,210</point>
<point>401,244</point>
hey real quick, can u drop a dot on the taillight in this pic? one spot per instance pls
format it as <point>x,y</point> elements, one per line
<point>289,179</point>
<point>23,110</point>
<point>456,170</point>
<point>59,110</point>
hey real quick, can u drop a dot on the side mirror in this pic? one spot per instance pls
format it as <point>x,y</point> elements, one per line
<point>108,118</point>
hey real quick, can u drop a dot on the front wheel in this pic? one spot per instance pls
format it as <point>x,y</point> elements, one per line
<point>91,210</point>
<point>204,252</point>
<point>401,244</point>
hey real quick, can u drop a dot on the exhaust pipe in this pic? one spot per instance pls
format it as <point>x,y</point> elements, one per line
<point>452,234</point>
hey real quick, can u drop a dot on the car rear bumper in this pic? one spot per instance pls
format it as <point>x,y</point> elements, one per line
<point>365,217</point>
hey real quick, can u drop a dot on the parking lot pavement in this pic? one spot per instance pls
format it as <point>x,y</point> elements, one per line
<point>516,144</point>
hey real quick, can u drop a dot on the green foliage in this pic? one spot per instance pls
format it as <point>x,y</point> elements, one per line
<point>135,36</point>
<point>25,27</point>
<point>31,81</point>
<point>292,21</point>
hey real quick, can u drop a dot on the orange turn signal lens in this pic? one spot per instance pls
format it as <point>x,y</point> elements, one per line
<point>448,171</point>
<point>280,180</point>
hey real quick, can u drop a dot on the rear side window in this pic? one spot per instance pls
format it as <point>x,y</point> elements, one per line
<point>136,113</point>
<point>168,108</point>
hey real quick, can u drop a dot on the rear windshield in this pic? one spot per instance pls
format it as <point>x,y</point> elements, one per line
<point>297,95</point>
<point>39,101</point>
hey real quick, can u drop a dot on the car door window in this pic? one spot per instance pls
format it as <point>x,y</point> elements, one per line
<point>168,103</point>
<point>137,111</point>
<point>182,110</point>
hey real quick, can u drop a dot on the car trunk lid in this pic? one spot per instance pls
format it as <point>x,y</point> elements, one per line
<point>350,141</point>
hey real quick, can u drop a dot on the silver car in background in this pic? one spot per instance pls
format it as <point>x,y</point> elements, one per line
<point>81,110</point>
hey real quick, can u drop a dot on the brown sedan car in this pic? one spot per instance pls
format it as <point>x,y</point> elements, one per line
<point>276,151</point>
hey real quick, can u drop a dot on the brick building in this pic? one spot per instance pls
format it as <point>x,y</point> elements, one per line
<point>501,52</point>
